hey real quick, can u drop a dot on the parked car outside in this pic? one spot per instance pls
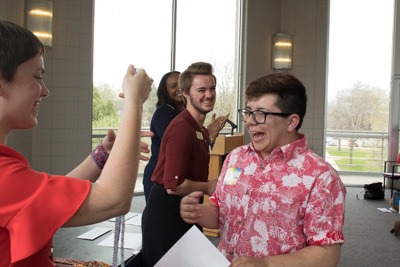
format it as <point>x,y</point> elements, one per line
<point>331,142</point>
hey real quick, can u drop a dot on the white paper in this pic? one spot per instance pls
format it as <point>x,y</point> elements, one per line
<point>131,241</point>
<point>94,233</point>
<point>384,210</point>
<point>193,249</point>
<point>137,220</point>
<point>127,216</point>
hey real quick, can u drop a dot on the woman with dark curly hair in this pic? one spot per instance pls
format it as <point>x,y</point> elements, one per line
<point>169,105</point>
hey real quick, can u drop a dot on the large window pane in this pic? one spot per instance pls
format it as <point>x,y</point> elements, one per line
<point>131,32</point>
<point>360,54</point>
<point>140,32</point>
<point>206,32</point>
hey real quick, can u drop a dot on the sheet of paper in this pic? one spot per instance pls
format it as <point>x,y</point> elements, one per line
<point>131,241</point>
<point>137,220</point>
<point>384,209</point>
<point>94,233</point>
<point>127,216</point>
<point>193,250</point>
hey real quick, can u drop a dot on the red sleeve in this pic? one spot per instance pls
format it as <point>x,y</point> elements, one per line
<point>179,147</point>
<point>33,205</point>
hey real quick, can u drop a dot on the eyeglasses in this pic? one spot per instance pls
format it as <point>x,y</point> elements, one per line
<point>259,116</point>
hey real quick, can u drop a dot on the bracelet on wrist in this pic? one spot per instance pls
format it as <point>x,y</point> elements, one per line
<point>100,156</point>
<point>212,142</point>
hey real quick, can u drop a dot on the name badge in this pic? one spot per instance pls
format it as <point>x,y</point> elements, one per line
<point>232,175</point>
<point>199,135</point>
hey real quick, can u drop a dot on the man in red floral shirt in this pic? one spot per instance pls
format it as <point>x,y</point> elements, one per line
<point>277,203</point>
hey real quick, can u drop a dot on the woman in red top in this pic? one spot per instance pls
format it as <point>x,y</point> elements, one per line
<point>34,205</point>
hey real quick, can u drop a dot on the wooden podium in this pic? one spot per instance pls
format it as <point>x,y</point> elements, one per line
<point>223,145</point>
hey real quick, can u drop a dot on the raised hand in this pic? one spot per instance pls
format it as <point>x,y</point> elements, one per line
<point>216,125</point>
<point>134,79</point>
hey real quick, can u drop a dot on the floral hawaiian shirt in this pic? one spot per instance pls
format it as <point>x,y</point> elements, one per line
<point>279,204</point>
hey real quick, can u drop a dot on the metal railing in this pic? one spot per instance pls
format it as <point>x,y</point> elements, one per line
<point>350,152</point>
<point>99,133</point>
<point>357,152</point>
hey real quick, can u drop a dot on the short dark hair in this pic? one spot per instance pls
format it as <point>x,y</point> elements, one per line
<point>198,68</point>
<point>290,92</point>
<point>162,92</point>
<point>17,45</point>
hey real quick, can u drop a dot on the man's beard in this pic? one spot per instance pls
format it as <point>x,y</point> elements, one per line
<point>198,107</point>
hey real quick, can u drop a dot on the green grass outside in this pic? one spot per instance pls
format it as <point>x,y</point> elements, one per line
<point>361,159</point>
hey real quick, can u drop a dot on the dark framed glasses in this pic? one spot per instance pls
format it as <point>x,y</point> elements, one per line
<point>259,116</point>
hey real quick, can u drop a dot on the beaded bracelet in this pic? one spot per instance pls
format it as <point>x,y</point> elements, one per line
<point>100,156</point>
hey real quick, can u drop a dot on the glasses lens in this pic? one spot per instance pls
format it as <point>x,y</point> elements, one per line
<point>242,114</point>
<point>259,117</point>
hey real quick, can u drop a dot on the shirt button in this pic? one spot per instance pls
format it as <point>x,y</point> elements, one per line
<point>231,253</point>
<point>240,222</point>
<point>176,177</point>
<point>247,192</point>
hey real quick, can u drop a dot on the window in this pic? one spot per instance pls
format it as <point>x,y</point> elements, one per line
<point>142,33</point>
<point>206,32</point>
<point>360,61</point>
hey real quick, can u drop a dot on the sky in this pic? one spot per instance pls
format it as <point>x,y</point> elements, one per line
<point>139,32</point>
<point>360,44</point>
<point>124,34</point>
<point>360,40</point>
